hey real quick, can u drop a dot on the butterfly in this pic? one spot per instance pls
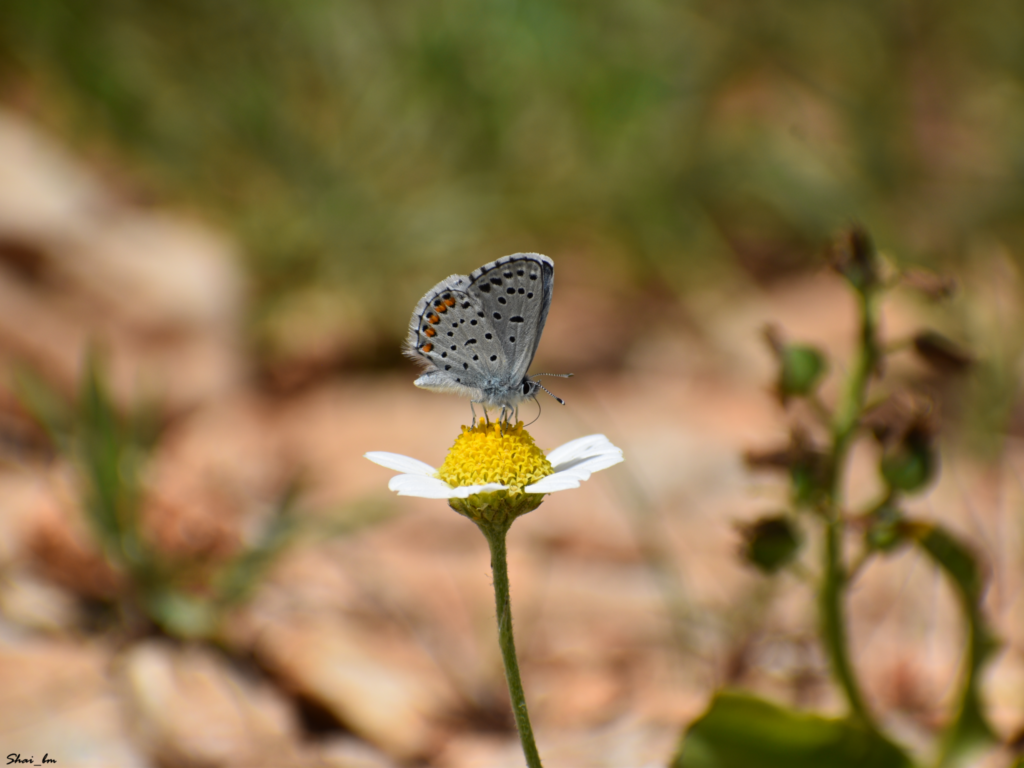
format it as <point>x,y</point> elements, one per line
<point>476,335</point>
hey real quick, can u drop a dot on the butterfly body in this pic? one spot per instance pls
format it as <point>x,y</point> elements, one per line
<point>476,335</point>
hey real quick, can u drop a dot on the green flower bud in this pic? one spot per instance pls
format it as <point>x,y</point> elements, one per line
<point>771,543</point>
<point>911,463</point>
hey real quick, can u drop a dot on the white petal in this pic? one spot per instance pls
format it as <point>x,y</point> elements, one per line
<point>400,463</point>
<point>553,483</point>
<point>584,468</point>
<point>465,491</point>
<point>572,477</point>
<point>568,466</point>
<point>580,448</point>
<point>435,488</point>
<point>418,485</point>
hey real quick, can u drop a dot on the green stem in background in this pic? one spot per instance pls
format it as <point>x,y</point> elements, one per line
<point>835,578</point>
<point>495,534</point>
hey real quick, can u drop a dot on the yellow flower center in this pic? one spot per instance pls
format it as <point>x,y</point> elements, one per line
<point>490,453</point>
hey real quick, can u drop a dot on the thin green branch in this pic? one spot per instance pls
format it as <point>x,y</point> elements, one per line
<point>835,577</point>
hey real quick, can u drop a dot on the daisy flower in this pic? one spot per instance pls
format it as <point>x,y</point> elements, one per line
<point>490,463</point>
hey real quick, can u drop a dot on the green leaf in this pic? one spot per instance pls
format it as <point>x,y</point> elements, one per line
<point>802,369</point>
<point>970,729</point>
<point>741,731</point>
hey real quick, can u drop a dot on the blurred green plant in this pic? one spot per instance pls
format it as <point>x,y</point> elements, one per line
<point>362,149</point>
<point>185,597</point>
<point>739,730</point>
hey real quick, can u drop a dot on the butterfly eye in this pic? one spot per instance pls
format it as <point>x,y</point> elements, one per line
<point>527,387</point>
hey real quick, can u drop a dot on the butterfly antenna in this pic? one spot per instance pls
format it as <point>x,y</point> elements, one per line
<point>560,400</point>
<point>557,375</point>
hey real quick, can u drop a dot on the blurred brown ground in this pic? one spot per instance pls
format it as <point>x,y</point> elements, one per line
<point>390,629</point>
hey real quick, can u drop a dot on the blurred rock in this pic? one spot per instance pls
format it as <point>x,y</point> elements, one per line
<point>384,690</point>
<point>162,295</point>
<point>30,595</point>
<point>346,752</point>
<point>31,602</point>
<point>23,494</point>
<point>191,708</point>
<point>57,700</point>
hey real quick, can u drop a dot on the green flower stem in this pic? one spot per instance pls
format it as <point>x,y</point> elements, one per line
<point>835,579</point>
<point>495,533</point>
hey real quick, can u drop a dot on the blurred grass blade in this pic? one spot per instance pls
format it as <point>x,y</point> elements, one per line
<point>741,731</point>
<point>97,449</point>
<point>110,466</point>
<point>240,577</point>
<point>969,730</point>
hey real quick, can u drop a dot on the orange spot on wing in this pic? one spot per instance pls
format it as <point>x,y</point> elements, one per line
<point>430,332</point>
<point>450,302</point>
<point>441,307</point>
<point>427,347</point>
<point>435,319</point>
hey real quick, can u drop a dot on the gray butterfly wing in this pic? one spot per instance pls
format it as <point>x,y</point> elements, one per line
<point>451,337</point>
<point>476,335</point>
<point>516,294</point>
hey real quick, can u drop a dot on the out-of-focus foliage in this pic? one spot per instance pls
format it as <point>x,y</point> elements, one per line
<point>372,146</point>
<point>741,731</point>
<point>185,597</point>
<point>970,729</point>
